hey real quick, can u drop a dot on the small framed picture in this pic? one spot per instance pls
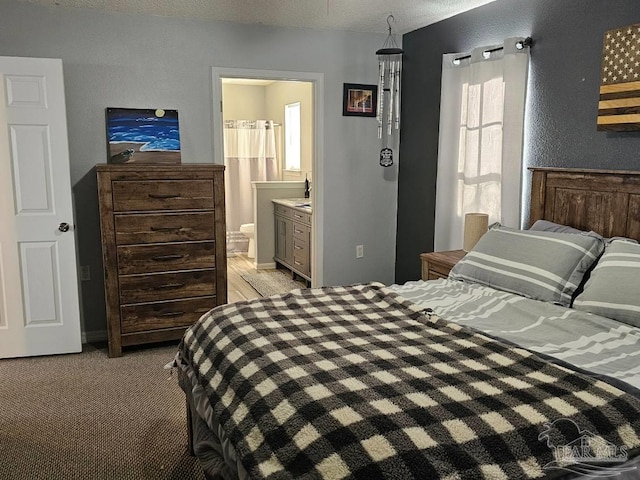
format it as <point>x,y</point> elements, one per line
<point>359,100</point>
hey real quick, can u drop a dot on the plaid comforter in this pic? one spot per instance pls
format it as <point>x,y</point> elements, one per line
<point>356,382</point>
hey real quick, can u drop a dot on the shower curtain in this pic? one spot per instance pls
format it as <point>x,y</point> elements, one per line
<point>249,156</point>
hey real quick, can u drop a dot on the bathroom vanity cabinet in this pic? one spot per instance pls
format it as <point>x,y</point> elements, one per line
<point>293,236</point>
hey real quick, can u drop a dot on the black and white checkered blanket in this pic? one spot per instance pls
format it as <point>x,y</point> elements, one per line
<point>356,382</point>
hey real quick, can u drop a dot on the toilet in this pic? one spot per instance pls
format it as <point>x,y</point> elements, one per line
<point>248,229</point>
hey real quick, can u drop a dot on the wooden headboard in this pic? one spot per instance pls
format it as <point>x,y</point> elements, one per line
<point>605,201</point>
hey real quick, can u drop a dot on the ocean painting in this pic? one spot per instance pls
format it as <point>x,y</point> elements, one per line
<point>141,135</point>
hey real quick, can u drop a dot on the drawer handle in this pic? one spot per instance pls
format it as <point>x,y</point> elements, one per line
<point>164,229</point>
<point>169,286</point>
<point>171,314</point>
<point>297,262</point>
<point>163,196</point>
<point>162,258</point>
<point>298,247</point>
<point>297,231</point>
<point>297,216</point>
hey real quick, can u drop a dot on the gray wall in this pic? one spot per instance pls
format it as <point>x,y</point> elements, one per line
<point>560,124</point>
<point>142,61</point>
<point>278,95</point>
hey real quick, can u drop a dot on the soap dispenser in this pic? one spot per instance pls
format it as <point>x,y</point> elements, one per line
<point>307,188</point>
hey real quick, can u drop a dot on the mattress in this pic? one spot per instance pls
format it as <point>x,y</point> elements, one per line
<point>599,346</point>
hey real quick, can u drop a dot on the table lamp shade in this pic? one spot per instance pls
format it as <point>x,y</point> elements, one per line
<point>475,225</point>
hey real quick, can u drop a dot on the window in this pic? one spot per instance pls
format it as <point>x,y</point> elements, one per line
<point>480,140</point>
<point>292,136</point>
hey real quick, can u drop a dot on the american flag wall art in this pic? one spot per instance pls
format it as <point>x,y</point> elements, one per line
<point>619,105</point>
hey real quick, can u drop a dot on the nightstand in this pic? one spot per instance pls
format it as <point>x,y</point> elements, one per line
<point>437,265</point>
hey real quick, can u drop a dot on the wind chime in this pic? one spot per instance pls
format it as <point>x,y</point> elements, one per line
<point>388,113</point>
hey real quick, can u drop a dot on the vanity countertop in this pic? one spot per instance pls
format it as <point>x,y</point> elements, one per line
<point>302,204</point>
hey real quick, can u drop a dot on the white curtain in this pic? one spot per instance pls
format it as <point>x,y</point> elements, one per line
<point>481,134</point>
<point>249,155</point>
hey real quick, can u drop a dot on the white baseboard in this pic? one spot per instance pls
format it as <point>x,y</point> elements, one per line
<point>95,336</point>
<point>264,266</point>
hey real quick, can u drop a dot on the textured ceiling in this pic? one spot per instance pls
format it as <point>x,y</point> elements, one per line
<point>350,15</point>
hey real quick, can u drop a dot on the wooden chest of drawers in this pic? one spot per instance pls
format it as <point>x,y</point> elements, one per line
<point>163,249</point>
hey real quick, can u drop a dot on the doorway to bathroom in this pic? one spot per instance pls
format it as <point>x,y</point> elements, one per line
<point>265,133</point>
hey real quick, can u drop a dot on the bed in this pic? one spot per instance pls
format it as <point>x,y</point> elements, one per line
<point>491,373</point>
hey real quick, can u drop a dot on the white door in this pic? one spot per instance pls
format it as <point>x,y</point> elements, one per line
<point>39,308</point>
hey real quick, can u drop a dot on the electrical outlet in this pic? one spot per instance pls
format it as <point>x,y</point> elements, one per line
<point>359,251</point>
<point>85,273</point>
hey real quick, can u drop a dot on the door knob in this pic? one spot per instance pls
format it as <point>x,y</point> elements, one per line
<point>63,227</point>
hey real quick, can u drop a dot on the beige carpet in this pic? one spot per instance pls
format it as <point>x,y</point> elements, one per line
<point>271,282</point>
<point>86,416</point>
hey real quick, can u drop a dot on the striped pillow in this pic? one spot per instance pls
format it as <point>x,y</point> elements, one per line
<point>547,266</point>
<point>613,289</point>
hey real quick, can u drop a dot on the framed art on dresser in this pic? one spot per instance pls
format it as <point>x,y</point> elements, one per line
<point>142,135</point>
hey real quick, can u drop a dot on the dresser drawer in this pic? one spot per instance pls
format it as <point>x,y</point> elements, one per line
<point>160,228</point>
<point>151,316</point>
<point>162,195</point>
<point>301,256</point>
<point>300,232</point>
<point>301,217</point>
<point>301,263</point>
<point>165,257</point>
<point>436,265</point>
<point>434,275</point>
<point>300,247</point>
<point>438,270</point>
<point>282,210</point>
<point>166,286</point>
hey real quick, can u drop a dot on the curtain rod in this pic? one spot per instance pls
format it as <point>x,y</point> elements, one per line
<point>520,44</point>
<point>274,123</point>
